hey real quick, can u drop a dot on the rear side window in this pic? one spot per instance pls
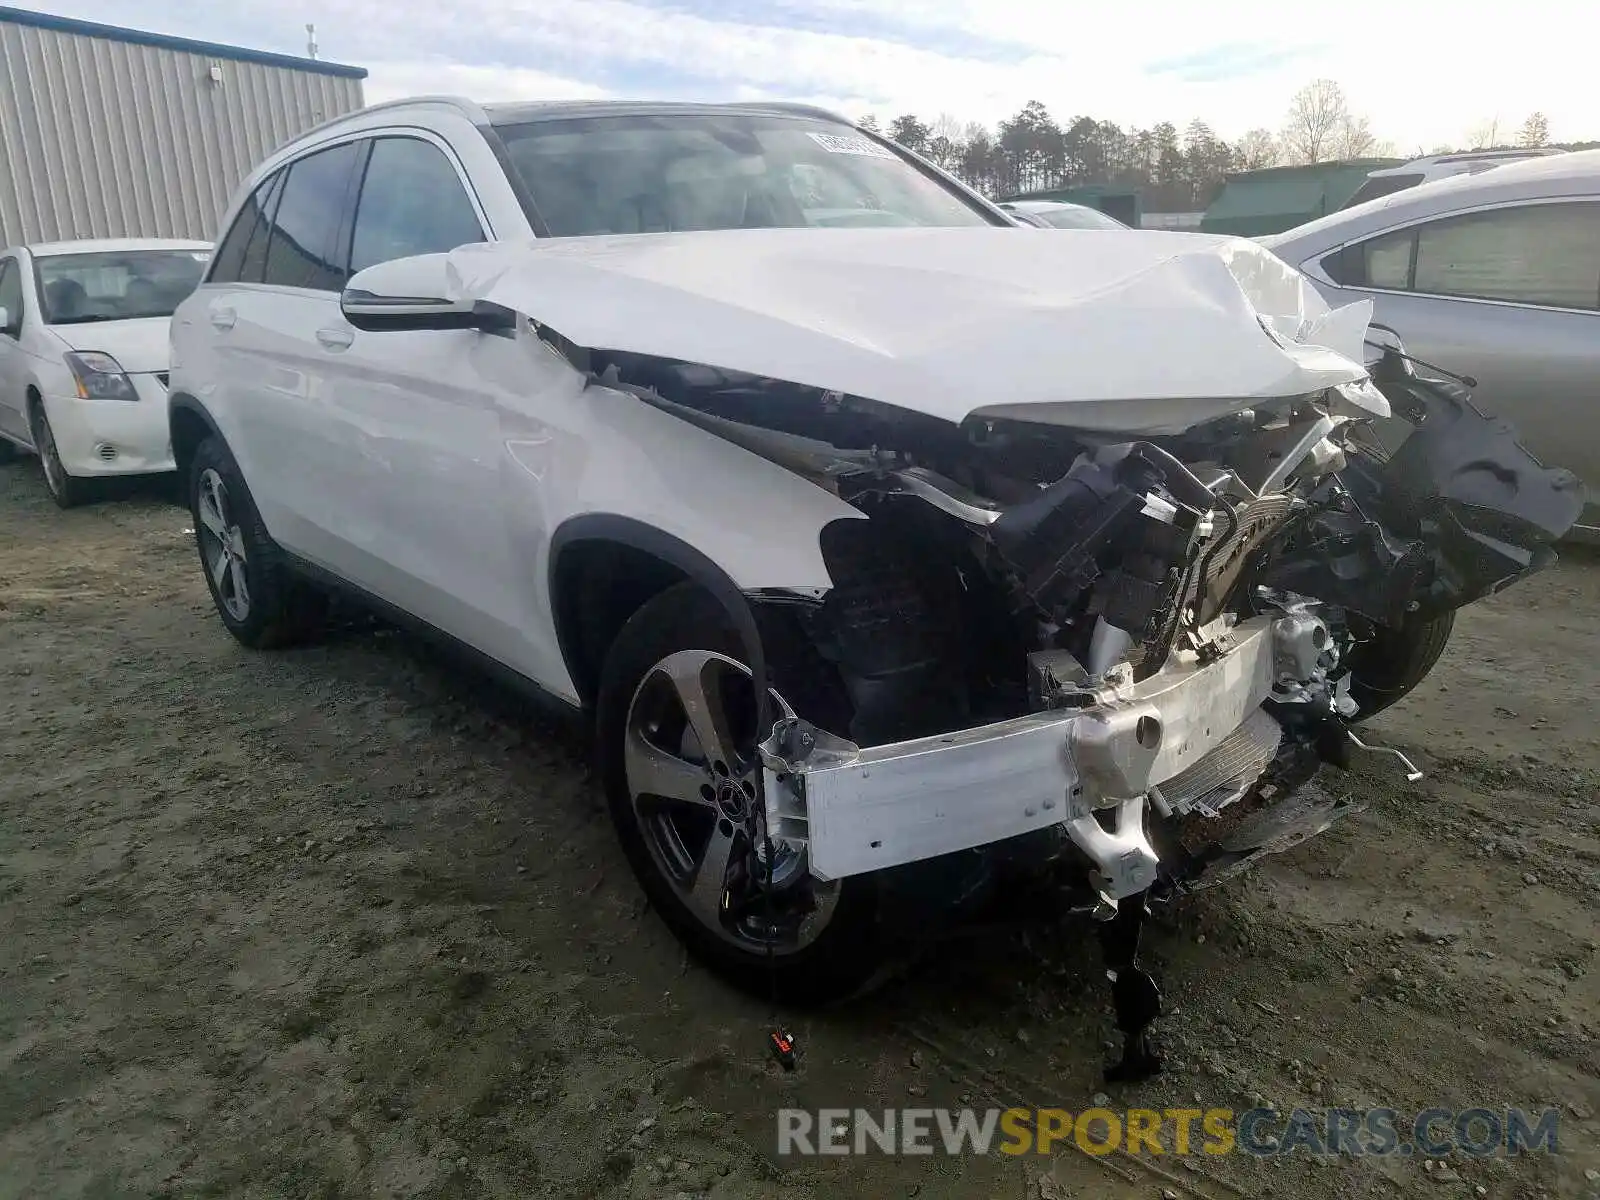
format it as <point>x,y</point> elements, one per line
<point>304,248</point>
<point>1542,254</point>
<point>412,202</point>
<point>229,264</point>
<point>255,250</point>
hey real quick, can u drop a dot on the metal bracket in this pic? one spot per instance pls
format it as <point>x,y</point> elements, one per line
<point>1126,862</point>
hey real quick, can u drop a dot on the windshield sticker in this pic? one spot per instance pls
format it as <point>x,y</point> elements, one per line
<point>835,143</point>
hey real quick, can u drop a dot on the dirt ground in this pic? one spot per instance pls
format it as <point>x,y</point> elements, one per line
<point>346,922</point>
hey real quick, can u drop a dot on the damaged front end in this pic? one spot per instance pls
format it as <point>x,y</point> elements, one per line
<point>1119,633</point>
<point>1189,615</point>
<point>1143,646</point>
<point>1137,653</point>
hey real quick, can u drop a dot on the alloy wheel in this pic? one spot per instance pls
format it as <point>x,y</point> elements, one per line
<point>222,546</point>
<point>688,754</point>
<point>44,440</point>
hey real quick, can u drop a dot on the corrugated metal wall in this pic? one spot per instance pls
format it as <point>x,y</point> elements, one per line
<point>101,138</point>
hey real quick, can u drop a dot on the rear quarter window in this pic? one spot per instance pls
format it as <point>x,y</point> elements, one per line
<point>1538,254</point>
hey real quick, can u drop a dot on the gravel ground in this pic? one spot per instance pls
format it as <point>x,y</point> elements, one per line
<point>346,921</point>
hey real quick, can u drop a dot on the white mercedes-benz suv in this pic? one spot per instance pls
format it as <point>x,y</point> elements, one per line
<point>899,558</point>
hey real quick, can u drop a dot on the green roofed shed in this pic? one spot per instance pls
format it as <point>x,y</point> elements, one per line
<point>1254,203</point>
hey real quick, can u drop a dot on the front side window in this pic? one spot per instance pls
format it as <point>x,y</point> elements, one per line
<point>654,173</point>
<point>303,250</point>
<point>1541,254</point>
<point>412,202</point>
<point>11,293</point>
<point>118,285</point>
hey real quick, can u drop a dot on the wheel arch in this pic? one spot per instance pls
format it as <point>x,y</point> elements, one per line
<point>602,569</point>
<point>188,424</point>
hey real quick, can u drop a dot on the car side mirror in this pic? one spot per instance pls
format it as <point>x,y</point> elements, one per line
<point>413,294</point>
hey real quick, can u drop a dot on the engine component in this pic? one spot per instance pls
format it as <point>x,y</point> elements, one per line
<point>1056,679</point>
<point>1054,541</point>
<point>1304,653</point>
<point>1108,646</point>
<point>884,631</point>
<point>1257,523</point>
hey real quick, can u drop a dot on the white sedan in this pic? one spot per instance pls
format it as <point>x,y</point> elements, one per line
<point>83,355</point>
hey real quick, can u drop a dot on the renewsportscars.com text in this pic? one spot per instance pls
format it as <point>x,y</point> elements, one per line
<point>1263,1132</point>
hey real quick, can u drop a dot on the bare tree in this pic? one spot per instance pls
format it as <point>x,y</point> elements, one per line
<point>1316,114</point>
<point>1257,149</point>
<point>869,123</point>
<point>1535,131</point>
<point>1354,138</point>
<point>949,126</point>
<point>1484,135</point>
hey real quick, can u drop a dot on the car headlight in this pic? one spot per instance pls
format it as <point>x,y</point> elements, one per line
<point>100,377</point>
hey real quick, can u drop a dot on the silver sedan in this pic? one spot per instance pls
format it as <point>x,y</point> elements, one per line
<point>1495,276</point>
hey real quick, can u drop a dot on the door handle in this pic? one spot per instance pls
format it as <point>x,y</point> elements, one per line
<point>223,318</point>
<point>335,338</point>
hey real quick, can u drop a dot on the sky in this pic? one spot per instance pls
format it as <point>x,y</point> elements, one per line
<point>1424,72</point>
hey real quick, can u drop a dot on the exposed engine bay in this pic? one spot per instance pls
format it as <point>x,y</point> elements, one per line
<point>1009,567</point>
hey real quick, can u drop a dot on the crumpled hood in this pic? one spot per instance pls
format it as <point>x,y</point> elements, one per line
<point>140,345</point>
<point>1127,330</point>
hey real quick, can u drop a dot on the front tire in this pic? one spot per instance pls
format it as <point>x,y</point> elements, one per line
<point>68,491</point>
<point>676,743</point>
<point>257,595</point>
<point>1388,665</point>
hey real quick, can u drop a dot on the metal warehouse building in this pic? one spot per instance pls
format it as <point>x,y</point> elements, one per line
<point>110,132</point>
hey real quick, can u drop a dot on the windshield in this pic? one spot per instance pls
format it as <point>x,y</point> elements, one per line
<point>1080,218</point>
<point>118,285</point>
<point>661,173</point>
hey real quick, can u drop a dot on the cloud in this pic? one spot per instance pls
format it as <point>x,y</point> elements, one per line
<point>1424,72</point>
<point>1235,60</point>
<point>485,84</point>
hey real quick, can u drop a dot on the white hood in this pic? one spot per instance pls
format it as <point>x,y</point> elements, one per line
<point>1127,330</point>
<point>139,345</point>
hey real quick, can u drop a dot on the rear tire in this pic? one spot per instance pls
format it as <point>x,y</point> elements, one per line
<point>1387,666</point>
<point>258,596</point>
<point>68,491</point>
<point>676,643</point>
